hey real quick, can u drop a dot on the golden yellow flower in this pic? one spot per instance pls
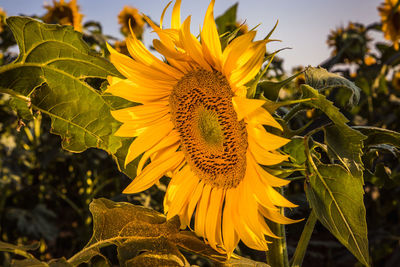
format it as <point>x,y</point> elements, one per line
<point>396,81</point>
<point>390,16</point>
<point>196,124</point>
<point>132,15</point>
<point>3,16</point>
<point>64,14</point>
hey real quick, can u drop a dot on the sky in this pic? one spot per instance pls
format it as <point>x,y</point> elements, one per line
<point>303,24</point>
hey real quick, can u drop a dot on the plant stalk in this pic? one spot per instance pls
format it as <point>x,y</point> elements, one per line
<point>277,255</point>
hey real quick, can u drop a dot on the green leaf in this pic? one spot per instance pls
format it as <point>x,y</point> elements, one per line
<point>295,148</point>
<point>346,142</point>
<point>319,78</point>
<point>134,230</point>
<point>378,136</point>
<point>22,108</point>
<point>19,249</point>
<point>143,237</point>
<point>337,199</point>
<point>54,61</point>
<point>28,263</point>
<point>270,90</point>
<point>53,72</point>
<point>347,145</point>
<point>226,22</point>
<point>37,263</point>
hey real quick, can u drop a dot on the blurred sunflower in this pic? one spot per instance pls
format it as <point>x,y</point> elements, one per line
<point>396,81</point>
<point>300,79</point>
<point>390,16</point>
<point>350,43</point>
<point>132,15</point>
<point>3,16</point>
<point>196,125</point>
<point>121,47</point>
<point>64,13</point>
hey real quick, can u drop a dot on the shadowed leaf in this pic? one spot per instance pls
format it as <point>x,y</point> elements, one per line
<point>320,79</point>
<point>379,136</point>
<point>346,142</point>
<point>337,199</point>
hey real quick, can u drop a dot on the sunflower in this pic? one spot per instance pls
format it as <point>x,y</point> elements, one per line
<point>3,16</point>
<point>132,15</point>
<point>390,16</point>
<point>350,43</point>
<point>121,47</point>
<point>396,81</point>
<point>196,125</point>
<point>64,14</point>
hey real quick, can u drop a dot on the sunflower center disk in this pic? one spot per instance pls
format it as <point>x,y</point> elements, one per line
<point>213,140</point>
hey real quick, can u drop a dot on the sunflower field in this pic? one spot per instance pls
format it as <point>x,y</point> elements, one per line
<point>199,149</point>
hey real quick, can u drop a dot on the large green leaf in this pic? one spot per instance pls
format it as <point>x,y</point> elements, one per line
<point>337,199</point>
<point>53,72</point>
<point>144,238</point>
<point>226,22</point>
<point>379,136</point>
<point>347,143</point>
<point>319,78</point>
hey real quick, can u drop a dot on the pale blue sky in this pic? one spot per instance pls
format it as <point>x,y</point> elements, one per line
<point>303,24</point>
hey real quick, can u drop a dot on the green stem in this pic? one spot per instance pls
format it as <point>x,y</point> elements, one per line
<point>15,94</point>
<point>304,240</point>
<point>277,255</point>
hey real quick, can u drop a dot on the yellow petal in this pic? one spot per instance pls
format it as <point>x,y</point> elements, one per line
<point>245,233</point>
<point>170,141</point>
<point>172,189</point>
<point>265,157</point>
<point>244,106</point>
<point>136,70</point>
<point>192,45</point>
<point>141,114</point>
<point>210,39</point>
<point>194,199</point>
<point>241,50</point>
<point>235,49</point>
<point>213,229</point>
<point>163,13</point>
<point>277,199</point>
<point>276,216</point>
<point>262,116</point>
<point>176,15</point>
<point>150,137</point>
<point>244,74</point>
<point>186,187</point>
<point>230,237</point>
<point>131,91</point>
<point>259,189</point>
<point>201,212</point>
<point>153,172</point>
<point>264,176</point>
<point>251,214</point>
<point>139,52</point>
<point>266,140</point>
